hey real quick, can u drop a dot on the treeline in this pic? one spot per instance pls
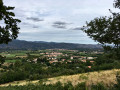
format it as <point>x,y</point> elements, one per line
<point>32,71</point>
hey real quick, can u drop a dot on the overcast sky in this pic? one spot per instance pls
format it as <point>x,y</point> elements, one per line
<point>57,20</point>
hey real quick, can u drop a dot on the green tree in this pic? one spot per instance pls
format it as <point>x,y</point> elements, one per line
<point>9,30</point>
<point>105,30</point>
<point>2,59</point>
<point>117,4</point>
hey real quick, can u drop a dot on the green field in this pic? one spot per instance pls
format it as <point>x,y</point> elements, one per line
<point>12,61</point>
<point>13,54</point>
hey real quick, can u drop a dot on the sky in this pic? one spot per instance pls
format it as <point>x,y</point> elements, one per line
<point>57,20</point>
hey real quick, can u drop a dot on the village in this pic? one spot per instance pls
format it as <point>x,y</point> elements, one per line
<point>52,56</point>
<point>66,56</point>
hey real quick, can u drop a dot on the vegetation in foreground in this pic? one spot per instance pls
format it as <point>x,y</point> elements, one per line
<point>107,77</point>
<point>57,86</point>
<point>36,65</point>
<point>67,86</point>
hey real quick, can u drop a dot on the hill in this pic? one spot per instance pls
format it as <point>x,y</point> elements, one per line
<point>37,45</point>
<point>107,77</point>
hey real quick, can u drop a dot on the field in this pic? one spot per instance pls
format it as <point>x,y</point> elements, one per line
<point>13,54</point>
<point>108,78</point>
<point>12,61</point>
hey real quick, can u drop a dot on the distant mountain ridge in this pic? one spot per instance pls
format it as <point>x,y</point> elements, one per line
<point>38,45</point>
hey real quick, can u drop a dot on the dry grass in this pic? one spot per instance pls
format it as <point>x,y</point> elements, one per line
<point>108,78</point>
<point>24,82</point>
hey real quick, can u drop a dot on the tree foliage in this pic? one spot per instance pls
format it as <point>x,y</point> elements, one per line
<point>2,59</point>
<point>105,30</point>
<point>117,4</point>
<point>9,30</point>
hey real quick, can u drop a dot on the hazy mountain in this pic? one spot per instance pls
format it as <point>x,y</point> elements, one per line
<point>37,45</point>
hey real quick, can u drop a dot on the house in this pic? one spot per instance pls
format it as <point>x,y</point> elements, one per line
<point>71,57</point>
<point>89,66</point>
<point>35,60</point>
<point>83,60</point>
<point>92,61</point>
<point>89,58</point>
<point>63,60</point>
<point>69,61</point>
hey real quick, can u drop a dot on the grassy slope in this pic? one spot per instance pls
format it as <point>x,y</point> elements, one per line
<point>107,77</point>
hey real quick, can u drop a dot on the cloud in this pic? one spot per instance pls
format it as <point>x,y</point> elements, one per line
<point>51,16</point>
<point>27,24</point>
<point>60,24</point>
<point>35,26</point>
<point>30,25</point>
<point>76,28</point>
<point>34,19</point>
<point>24,23</point>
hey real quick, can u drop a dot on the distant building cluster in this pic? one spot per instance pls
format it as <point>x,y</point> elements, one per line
<point>54,56</point>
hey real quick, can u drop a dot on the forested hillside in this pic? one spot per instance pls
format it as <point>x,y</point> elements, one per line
<point>27,45</point>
